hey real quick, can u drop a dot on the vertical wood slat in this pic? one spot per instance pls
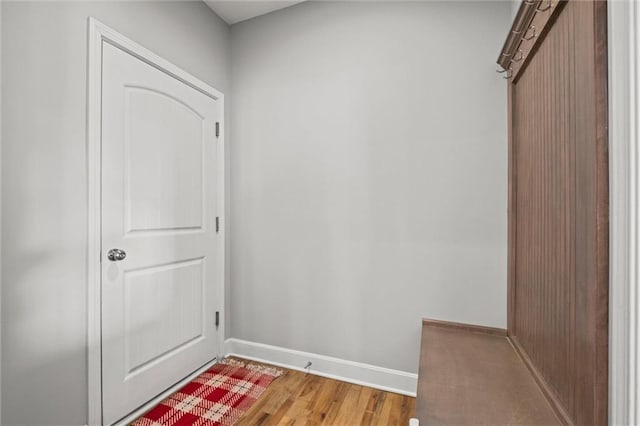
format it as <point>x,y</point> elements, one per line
<point>558,210</point>
<point>601,219</point>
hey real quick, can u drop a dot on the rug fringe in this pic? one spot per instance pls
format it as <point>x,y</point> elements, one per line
<point>271,371</point>
<point>233,362</point>
<point>250,365</point>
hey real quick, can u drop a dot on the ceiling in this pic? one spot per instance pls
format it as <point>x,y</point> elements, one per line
<point>233,11</point>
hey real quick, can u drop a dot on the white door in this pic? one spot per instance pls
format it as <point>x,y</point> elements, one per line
<point>159,206</point>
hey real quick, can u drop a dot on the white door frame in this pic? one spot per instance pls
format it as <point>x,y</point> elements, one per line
<point>99,34</point>
<point>624,297</point>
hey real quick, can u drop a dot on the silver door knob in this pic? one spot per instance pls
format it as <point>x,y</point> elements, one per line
<point>116,255</point>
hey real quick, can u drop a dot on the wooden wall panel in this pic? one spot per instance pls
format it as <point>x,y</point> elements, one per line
<point>559,213</point>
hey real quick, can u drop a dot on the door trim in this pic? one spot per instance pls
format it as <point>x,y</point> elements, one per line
<point>98,33</point>
<point>624,303</point>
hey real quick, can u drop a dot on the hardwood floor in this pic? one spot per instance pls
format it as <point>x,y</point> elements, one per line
<point>297,398</point>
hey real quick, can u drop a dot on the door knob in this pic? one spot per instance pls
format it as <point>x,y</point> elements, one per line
<point>116,255</point>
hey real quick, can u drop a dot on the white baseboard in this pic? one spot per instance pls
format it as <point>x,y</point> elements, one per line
<point>334,368</point>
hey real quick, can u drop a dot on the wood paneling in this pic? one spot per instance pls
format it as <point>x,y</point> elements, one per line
<point>470,377</point>
<point>558,212</point>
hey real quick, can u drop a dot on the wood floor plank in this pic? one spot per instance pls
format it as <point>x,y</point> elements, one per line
<point>382,416</point>
<point>322,403</point>
<point>376,400</point>
<point>346,413</point>
<point>395,415</point>
<point>297,398</point>
<point>354,406</point>
<point>336,403</point>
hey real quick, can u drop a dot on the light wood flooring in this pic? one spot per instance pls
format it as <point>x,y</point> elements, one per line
<point>297,398</point>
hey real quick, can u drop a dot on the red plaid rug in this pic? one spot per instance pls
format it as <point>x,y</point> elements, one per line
<point>219,396</point>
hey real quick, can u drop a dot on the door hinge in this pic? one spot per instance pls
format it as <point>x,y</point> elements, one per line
<point>217,319</point>
<point>217,129</point>
<point>217,224</point>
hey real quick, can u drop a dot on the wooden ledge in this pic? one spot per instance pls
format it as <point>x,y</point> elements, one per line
<point>472,375</point>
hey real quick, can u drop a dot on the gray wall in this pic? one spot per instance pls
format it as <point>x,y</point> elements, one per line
<point>515,5</point>
<point>368,178</point>
<point>44,192</point>
<point>368,175</point>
